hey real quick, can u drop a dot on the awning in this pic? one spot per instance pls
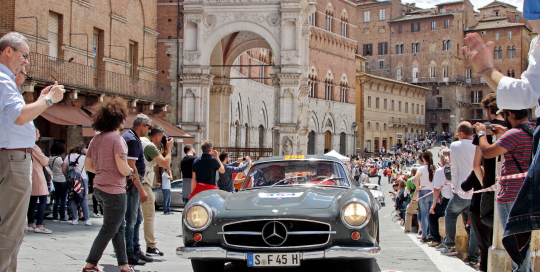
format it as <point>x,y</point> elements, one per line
<point>173,131</point>
<point>66,115</point>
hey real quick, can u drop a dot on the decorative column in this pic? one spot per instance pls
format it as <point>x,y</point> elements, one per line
<point>288,114</point>
<point>219,128</point>
<point>195,95</point>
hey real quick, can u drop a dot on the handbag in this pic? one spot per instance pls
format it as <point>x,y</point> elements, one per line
<point>129,183</point>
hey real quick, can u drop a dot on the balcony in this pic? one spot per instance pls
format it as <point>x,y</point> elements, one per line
<point>45,69</point>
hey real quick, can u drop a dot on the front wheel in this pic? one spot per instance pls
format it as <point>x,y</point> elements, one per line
<point>207,266</point>
<point>363,265</point>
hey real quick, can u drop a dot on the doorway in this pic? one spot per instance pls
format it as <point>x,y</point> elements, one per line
<point>327,141</point>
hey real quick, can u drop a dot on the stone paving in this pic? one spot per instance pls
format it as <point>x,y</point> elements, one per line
<point>67,248</point>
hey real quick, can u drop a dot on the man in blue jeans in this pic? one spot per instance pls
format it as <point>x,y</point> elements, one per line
<point>462,157</point>
<point>136,195</point>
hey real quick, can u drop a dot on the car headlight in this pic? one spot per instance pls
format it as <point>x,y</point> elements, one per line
<point>355,214</point>
<point>198,216</point>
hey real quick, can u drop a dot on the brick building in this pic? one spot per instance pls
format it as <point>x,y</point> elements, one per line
<point>95,49</point>
<point>423,47</point>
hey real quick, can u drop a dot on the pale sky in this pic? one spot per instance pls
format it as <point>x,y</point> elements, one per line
<point>476,3</point>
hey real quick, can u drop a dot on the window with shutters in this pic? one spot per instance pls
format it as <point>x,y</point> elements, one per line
<point>432,72</point>
<point>366,16</point>
<point>328,91</point>
<point>446,24</point>
<point>433,25</point>
<point>476,97</point>
<point>377,103</point>
<point>445,71</point>
<point>422,111</point>
<point>392,105</point>
<point>509,35</point>
<point>500,52</point>
<point>385,104</point>
<point>517,18</point>
<point>399,29</point>
<point>369,101</point>
<point>399,106</point>
<point>415,27</point>
<point>382,14</point>
<point>406,107</point>
<point>344,28</point>
<point>312,89</point>
<point>398,49</point>
<point>468,73</point>
<point>54,34</point>
<point>496,50</point>
<point>497,36</point>
<point>368,49</point>
<point>343,95</point>
<point>438,103</point>
<point>417,109</point>
<point>133,53</point>
<point>383,48</point>
<point>416,47</point>
<point>509,50</point>
<point>444,45</point>
<point>514,52</point>
<point>381,65</point>
<point>399,73</point>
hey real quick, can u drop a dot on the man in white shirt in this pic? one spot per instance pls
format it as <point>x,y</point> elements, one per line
<point>462,157</point>
<point>380,174</point>
<point>442,193</point>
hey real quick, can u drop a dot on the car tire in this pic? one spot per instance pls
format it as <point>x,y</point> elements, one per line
<point>363,265</point>
<point>207,266</point>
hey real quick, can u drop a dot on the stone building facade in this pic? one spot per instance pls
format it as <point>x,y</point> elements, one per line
<point>95,49</point>
<point>268,75</point>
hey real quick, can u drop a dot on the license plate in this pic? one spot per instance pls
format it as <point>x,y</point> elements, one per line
<point>273,259</point>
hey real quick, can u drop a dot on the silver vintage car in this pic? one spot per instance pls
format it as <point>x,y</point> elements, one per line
<point>176,195</point>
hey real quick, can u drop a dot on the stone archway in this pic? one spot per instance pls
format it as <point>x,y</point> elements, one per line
<point>215,34</point>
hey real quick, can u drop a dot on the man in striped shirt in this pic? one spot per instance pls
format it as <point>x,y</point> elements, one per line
<point>516,145</point>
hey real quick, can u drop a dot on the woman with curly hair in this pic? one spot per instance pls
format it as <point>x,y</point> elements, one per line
<point>107,158</point>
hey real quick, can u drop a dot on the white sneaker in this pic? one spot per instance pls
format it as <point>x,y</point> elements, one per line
<point>97,215</point>
<point>75,222</point>
<point>42,230</point>
<point>88,223</point>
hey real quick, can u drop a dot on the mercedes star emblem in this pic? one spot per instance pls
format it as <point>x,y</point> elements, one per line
<point>274,233</point>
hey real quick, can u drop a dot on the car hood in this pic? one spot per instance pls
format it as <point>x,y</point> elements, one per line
<point>283,197</point>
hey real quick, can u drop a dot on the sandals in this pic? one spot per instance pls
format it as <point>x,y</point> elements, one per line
<point>130,269</point>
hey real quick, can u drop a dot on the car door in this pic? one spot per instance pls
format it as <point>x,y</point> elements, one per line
<point>176,194</point>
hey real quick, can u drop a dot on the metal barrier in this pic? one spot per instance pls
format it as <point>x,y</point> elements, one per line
<point>238,152</point>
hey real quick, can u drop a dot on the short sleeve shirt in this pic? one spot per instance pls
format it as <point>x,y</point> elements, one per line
<point>102,150</point>
<point>165,182</point>
<point>518,143</point>
<point>424,179</point>
<point>205,168</point>
<point>135,151</point>
<point>439,182</point>
<point>151,151</point>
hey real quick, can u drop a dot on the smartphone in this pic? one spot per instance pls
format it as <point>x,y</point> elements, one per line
<point>490,127</point>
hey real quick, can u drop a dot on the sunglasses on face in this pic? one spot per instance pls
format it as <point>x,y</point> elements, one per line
<point>24,55</point>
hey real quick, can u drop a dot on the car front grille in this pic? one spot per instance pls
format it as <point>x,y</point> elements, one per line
<point>277,233</point>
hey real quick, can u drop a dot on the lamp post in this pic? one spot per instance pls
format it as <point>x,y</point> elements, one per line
<point>37,27</point>
<point>86,44</point>
<point>125,56</point>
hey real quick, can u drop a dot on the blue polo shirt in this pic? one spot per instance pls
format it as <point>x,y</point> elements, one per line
<point>135,151</point>
<point>205,168</point>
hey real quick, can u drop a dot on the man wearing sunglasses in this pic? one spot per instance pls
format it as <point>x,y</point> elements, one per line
<point>17,138</point>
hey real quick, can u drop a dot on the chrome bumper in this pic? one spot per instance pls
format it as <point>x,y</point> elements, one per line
<point>335,252</point>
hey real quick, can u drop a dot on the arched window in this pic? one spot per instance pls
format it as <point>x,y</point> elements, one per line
<point>377,126</point>
<point>261,136</point>
<point>513,73</point>
<point>500,52</point>
<point>311,143</point>
<point>496,53</point>
<point>509,52</point>
<point>368,125</point>
<point>514,51</point>
<point>342,143</point>
<point>327,141</point>
<point>384,126</point>
<point>247,136</point>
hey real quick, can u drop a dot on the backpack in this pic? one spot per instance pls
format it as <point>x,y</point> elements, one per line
<point>75,180</point>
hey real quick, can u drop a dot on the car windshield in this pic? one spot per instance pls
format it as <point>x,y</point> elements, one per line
<point>296,173</point>
<point>372,186</point>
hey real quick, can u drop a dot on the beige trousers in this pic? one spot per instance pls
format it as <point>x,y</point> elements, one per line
<point>149,211</point>
<point>15,190</point>
<point>408,217</point>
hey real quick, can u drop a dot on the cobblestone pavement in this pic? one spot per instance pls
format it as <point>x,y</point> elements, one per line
<point>67,248</point>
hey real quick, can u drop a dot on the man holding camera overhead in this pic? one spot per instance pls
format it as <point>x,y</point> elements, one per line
<point>153,158</point>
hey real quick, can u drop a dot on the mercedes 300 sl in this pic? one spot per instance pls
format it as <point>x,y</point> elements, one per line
<point>289,210</point>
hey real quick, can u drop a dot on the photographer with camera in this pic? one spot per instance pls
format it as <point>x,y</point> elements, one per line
<point>225,181</point>
<point>153,158</point>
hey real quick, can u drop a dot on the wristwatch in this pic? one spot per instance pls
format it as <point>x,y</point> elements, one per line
<point>49,101</point>
<point>480,134</point>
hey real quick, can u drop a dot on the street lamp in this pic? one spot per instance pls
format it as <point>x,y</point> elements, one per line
<point>125,56</point>
<point>37,27</point>
<point>86,44</point>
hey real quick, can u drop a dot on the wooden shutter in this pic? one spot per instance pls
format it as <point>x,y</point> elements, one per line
<point>412,27</point>
<point>472,96</point>
<point>53,34</point>
<point>365,50</point>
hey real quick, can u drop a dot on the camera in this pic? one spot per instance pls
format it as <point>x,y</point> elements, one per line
<point>165,139</point>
